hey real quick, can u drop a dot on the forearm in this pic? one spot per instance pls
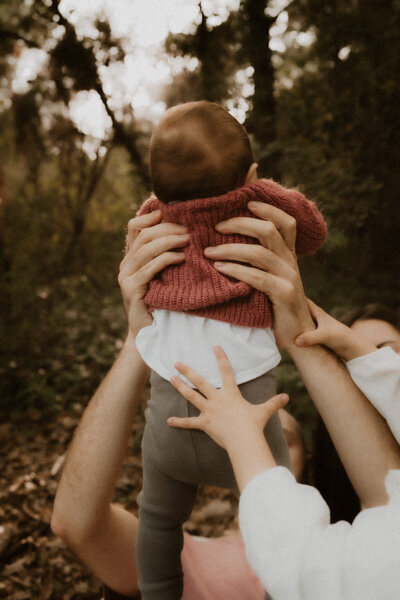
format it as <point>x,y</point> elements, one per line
<point>362,438</point>
<point>97,451</point>
<point>250,455</point>
<point>353,346</point>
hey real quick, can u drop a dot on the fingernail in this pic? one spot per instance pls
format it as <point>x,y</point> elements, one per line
<point>299,341</point>
<point>221,225</point>
<point>219,265</point>
<point>173,379</point>
<point>178,365</point>
<point>170,420</point>
<point>285,398</point>
<point>254,204</point>
<point>209,250</point>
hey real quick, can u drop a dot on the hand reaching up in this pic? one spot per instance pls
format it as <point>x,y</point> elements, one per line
<point>229,419</point>
<point>344,342</point>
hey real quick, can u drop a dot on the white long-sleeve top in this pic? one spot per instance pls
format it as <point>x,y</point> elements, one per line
<point>291,544</point>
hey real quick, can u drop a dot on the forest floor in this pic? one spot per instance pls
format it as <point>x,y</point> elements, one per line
<point>34,564</point>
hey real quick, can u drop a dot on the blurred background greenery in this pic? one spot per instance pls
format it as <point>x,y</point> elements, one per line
<point>317,86</point>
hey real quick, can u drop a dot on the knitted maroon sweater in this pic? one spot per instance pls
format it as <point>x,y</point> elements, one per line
<point>195,286</point>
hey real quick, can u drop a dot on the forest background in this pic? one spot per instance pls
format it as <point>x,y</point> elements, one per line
<point>317,86</point>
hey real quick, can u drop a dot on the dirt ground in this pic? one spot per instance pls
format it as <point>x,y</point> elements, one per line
<point>34,564</point>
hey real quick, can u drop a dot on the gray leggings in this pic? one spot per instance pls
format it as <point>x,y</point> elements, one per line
<point>175,462</point>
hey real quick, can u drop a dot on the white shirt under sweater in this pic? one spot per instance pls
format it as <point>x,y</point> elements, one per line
<point>177,336</point>
<point>289,541</point>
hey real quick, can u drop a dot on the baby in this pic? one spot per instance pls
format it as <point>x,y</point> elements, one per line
<point>202,172</point>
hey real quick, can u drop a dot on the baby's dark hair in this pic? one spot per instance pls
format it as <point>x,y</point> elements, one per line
<point>198,150</point>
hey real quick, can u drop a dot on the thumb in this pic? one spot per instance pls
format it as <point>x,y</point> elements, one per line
<point>272,405</point>
<point>309,338</point>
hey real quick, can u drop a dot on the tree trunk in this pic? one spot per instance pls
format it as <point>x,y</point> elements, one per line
<point>261,122</point>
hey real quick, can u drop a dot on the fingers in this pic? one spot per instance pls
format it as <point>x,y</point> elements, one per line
<point>310,338</point>
<point>265,231</point>
<point>148,227</point>
<point>285,224</point>
<point>257,256</point>
<point>274,404</point>
<point>196,379</point>
<point>187,392</point>
<point>185,422</point>
<point>315,310</point>
<point>136,258</point>
<point>136,224</point>
<point>143,276</point>
<point>158,231</point>
<point>225,369</point>
<point>257,278</point>
<point>315,336</point>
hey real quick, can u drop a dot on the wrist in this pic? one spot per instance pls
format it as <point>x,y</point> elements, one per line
<point>250,455</point>
<point>303,323</point>
<point>240,439</point>
<point>353,346</point>
<point>130,353</point>
<point>130,342</point>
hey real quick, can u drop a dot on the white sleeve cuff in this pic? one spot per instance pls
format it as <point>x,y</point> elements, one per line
<point>377,375</point>
<point>373,360</point>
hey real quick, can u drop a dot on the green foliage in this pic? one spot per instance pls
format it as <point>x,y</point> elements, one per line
<point>62,347</point>
<point>339,137</point>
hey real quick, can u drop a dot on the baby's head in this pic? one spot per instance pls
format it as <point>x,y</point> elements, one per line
<point>198,150</point>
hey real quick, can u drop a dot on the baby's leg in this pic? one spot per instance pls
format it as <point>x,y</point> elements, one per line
<point>170,478</point>
<point>164,504</point>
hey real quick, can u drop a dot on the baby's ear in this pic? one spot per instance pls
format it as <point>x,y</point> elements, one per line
<point>251,174</point>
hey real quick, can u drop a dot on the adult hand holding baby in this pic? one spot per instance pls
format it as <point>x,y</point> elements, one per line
<point>150,247</point>
<point>271,267</point>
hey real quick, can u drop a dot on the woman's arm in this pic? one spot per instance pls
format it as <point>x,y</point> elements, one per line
<point>375,372</point>
<point>361,436</point>
<point>286,528</point>
<point>102,534</point>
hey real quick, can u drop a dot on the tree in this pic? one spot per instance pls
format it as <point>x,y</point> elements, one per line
<point>261,121</point>
<point>74,63</point>
<point>339,135</point>
<point>240,42</point>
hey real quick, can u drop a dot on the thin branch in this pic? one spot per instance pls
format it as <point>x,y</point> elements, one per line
<point>6,34</point>
<point>129,141</point>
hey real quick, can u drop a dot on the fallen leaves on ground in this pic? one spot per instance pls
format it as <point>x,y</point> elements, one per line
<point>34,564</point>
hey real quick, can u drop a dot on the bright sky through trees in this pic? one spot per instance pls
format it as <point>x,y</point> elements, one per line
<point>142,26</point>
